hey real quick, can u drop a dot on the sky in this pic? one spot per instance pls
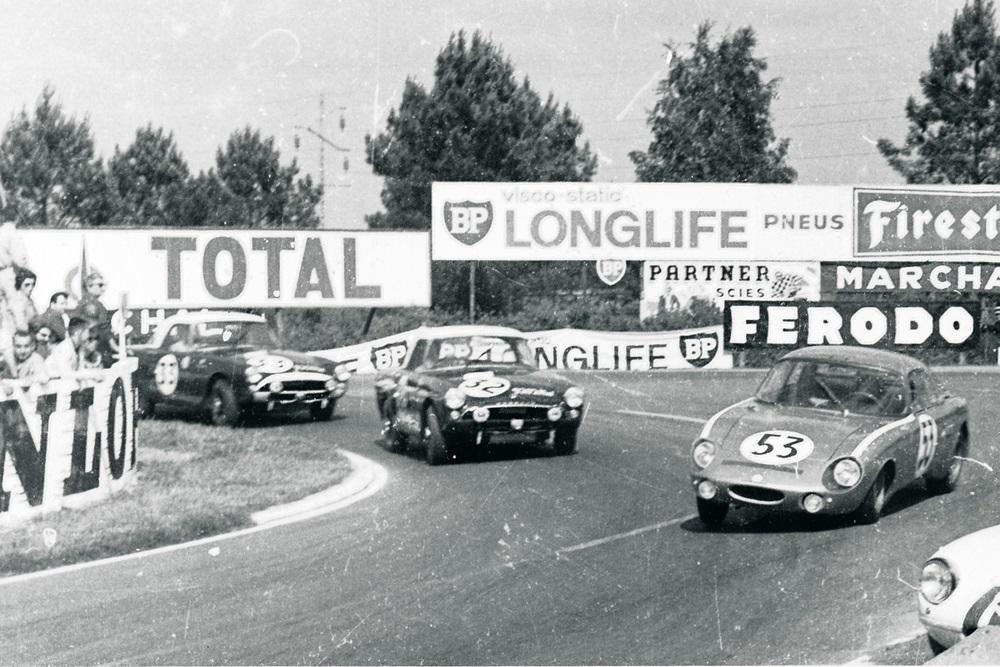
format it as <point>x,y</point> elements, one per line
<point>204,69</point>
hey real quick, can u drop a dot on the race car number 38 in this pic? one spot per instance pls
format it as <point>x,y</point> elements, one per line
<point>777,448</point>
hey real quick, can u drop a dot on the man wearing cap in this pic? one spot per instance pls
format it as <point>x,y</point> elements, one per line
<point>91,309</point>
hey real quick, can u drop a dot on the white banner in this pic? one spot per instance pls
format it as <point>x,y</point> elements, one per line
<point>194,268</point>
<point>571,349</point>
<point>668,286</point>
<point>641,221</point>
<point>66,443</point>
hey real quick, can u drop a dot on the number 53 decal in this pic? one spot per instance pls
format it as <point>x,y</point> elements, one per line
<point>928,442</point>
<point>777,447</point>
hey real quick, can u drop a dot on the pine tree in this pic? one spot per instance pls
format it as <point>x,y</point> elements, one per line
<point>712,118</point>
<point>953,134</point>
<point>150,178</point>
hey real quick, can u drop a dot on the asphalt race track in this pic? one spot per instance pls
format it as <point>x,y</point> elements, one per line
<point>519,557</point>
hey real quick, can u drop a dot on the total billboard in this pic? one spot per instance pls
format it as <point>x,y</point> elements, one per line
<point>222,268</point>
<point>641,221</point>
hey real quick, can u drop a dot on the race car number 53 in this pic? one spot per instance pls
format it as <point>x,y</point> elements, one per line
<point>777,448</point>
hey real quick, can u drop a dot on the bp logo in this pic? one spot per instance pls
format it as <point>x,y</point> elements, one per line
<point>468,221</point>
<point>610,271</point>
<point>699,349</point>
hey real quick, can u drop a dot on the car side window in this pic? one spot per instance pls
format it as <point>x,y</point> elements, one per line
<point>417,357</point>
<point>178,338</point>
<point>920,389</point>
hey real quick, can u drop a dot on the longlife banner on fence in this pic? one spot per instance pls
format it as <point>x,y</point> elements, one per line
<point>791,324</point>
<point>672,285</point>
<point>714,222</point>
<point>569,349</point>
<point>67,443</point>
<point>221,268</point>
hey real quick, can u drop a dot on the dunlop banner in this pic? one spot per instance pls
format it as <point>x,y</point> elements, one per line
<point>572,349</point>
<point>795,324</point>
<point>223,268</point>
<point>672,285</point>
<point>947,278</point>
<point>66,443</point>
<point>640,221</point>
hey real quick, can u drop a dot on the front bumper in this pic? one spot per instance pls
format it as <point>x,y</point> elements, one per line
<point>739,488</point>
<point>298,390</point>
<point>509,423</point>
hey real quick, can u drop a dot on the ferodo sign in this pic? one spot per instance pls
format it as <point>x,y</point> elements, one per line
<point>928,222</point>
<point>67,443</point>
<point>194,268</point>
<point>640,221</point>
<point>856,277</point>
<point>794,324</point>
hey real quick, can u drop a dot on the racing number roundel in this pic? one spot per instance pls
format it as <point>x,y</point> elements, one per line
<point>777,448</point>
<point>484,387</point>
<point>165,374</point>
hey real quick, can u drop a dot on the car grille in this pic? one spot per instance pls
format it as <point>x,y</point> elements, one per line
<point>534,417</point>
<point>304,385</point>
<point>756,494</point>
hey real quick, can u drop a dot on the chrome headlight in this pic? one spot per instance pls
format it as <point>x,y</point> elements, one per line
<point>573,397</point>
<point>254,378</point>
<point>703,453</point>
<point>847,473</point>
<point>936,581</point>
<point>454,398</point>
<point>330,384</point>
<point>341,373</point>
<point>277,386</point>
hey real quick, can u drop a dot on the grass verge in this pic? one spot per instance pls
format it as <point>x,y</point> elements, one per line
<point>193,481</point>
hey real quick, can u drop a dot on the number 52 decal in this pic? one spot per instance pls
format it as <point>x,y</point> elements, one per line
<point>776,447</point>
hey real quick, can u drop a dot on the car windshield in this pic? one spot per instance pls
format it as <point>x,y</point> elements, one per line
<point>256,334</point>
<point>462,351</point>
<point>830,386</point>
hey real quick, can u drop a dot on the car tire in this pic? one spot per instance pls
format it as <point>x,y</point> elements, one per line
<point>871,507</point>
<point>221,408</point>
<point>322,414</point>
<point>936,647</point>
<point>712,513</point>
<point>435,447</point>
<point>948,483</point>
<point>564,441</point>
<point>392,439</point>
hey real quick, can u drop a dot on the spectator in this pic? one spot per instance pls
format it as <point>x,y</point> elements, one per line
<point>19,304</point>
<point>12,257</point>
<point>56,317</point>
<point>65,357</point>
<point>91,309</point>
<point>30,366</point>
<point>90,358</point>
<point>43,338</point>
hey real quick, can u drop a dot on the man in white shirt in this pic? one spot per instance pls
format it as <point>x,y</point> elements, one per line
<point>65,357</point>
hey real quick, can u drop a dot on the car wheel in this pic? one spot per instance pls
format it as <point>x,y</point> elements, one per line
<point>948,483</point>
<point>320,413</point>
<point>564,441</point>
<point>222,408</point>
<point>871,507</point>
<point>712,513</point>
<point>392,439</point>
<point>435,448</point>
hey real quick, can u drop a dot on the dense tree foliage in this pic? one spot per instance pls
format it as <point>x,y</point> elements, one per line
<point>712,118</point>
<point>954,133</point>
<point>49,169</point>
<point>150,179</point>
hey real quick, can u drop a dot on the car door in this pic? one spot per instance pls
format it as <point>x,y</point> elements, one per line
<point>408,397</point>
<point>167,367</point>
<point>930,414</point>
<point>948,415</point>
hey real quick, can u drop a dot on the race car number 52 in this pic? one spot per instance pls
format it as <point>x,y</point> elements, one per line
<point>776,448</point>
<point>485,387</point>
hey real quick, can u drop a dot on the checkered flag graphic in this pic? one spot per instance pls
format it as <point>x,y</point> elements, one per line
<point>786,285</point>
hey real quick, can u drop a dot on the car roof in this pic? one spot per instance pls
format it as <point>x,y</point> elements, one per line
<point>195,317</point>
<point>459,330</point>
<point>859,356</point>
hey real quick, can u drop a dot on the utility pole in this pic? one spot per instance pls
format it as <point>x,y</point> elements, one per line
<point>323,141</point>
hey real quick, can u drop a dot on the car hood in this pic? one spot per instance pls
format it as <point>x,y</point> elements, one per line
<point>268,362</point>
<point>519,386</point>
<point>833,434</point>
